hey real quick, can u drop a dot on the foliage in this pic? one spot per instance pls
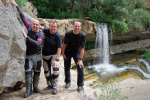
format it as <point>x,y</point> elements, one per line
<point>141,4</point>
<point>51,8</point>
<point>90,45</point>
<point>140,18</point>
<point>122,15</point>
<point>111,91</point>
<point>21,3</point>
<point>145,53</point>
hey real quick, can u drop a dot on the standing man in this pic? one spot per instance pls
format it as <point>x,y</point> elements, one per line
<point>50,54</point>
<point>33,52</point>
<point>73,46</point>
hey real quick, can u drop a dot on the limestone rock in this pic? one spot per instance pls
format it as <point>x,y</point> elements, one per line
<point>32,8</point>
<point>12,47</point>
<point>64,25</point>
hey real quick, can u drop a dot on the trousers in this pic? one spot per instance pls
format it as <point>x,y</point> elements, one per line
<point>51,72</point>
<point>32,70</point>
<point>67,66</point>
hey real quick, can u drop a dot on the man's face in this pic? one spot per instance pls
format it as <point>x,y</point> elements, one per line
<point>77,27</point>
<point>35,26</point>
<point>53,27</point>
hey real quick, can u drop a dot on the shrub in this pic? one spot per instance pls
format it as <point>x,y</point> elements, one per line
<point>21,3</point>
<point>112,91</point>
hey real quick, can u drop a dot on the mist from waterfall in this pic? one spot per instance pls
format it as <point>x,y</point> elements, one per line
<point>106,70</point>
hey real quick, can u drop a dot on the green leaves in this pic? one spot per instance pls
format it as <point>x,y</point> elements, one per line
<point>21,3</point>
<point>111,91</point>
<point>122,15</point>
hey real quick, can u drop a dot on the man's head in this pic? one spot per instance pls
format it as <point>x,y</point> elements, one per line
<point>76,27</point>
<point>53,26</point>
<point>35,25</point>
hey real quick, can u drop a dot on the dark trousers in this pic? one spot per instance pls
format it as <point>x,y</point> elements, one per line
<point>67,66</point>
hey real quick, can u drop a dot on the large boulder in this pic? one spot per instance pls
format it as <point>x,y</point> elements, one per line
<point>12,47</point>
<point>64,25</point>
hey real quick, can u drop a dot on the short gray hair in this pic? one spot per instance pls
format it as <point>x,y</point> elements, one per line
<point>53,21</point>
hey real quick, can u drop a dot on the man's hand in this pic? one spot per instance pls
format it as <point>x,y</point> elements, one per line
<point>24,34</point>
<point>41,27</point>
<point>80,63</point>
<point>13,2</point>
<point>56,64</point>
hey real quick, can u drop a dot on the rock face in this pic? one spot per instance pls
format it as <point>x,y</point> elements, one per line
<point>12,47</point>
<point>115,49</point>
<point>129,46</point>
<point>90,28</point>
<point>32,9</point>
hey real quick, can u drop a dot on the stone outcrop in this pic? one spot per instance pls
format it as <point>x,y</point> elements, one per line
<point>129,46</point>
<point>89,27</point>
<point>32,11</point>
<point>131,36</point>
<point>115,49</point>
<point>12,47</point>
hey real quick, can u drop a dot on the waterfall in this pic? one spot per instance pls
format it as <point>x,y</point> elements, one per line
<point>106,70</point>
<point>102,42</point>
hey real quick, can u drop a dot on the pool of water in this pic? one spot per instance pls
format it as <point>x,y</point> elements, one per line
<point>120,61</point>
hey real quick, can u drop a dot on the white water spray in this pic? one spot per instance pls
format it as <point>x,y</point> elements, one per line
<point>104,69</point>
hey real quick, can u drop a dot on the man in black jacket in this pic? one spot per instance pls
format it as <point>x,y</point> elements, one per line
<point>50,53</point>
<point>33,52</point>
<point>73,46</point>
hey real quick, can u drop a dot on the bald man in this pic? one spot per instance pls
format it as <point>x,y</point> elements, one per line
<point>33,53</point>
<point>73,46</point>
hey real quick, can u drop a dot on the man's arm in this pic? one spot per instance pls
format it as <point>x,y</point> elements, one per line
<point>56,62</point>
<point>81,53</point>
<point>24,20</point>
<point>63,50</point>
<point>34,42</point>
<point>58,53</point>
<point>83,42</point>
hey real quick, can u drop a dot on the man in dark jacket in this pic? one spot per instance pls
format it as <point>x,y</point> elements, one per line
<point>50,53</point>
<point>33,52</point>
<point>73,46</point>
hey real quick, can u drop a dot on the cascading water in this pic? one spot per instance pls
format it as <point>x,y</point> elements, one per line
<point>102,42</point>
<point>104,69</point>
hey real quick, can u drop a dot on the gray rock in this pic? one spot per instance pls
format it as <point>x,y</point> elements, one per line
<point>12,47</point>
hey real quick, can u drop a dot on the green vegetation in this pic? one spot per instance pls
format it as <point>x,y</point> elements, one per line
<point>21,3</point>
<point>122,15</point>
<point>145,53</point>
<point>90,45</point>
<point>111,91</point>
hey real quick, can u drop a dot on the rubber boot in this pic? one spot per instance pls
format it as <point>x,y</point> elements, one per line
<point>36,79</point>
<point>28,79</point>
<point>28,91</point>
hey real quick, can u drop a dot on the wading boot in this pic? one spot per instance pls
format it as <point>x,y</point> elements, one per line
<point>28,91</point>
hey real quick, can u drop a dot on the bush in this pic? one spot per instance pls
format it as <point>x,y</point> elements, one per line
<point>122,15</point>
<point>141,4</point>
<point>146,55</point>
<point>121,26</point>
<point>112,91</point>
<point>21,3</point>
<point>90,45</point>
